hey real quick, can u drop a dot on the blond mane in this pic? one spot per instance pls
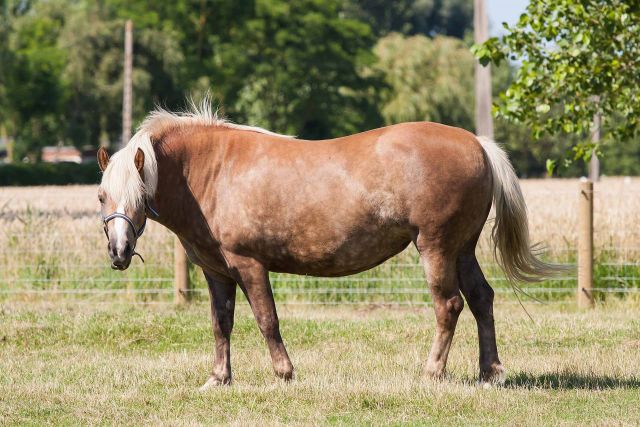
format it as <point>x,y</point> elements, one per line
<point>121,180</point>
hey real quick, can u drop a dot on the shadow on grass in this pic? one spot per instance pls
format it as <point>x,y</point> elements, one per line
<point>569,381</point>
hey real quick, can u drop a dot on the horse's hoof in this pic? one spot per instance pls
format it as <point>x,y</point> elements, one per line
<point>496,375</point>
<point>214,382</point>
<point>435,372</point>
<point>284,370</point>
<point>285,376</point>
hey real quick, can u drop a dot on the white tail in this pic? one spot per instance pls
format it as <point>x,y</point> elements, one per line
<point>510,234</point>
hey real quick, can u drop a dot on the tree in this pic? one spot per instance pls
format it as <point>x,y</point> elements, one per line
<point>578,58</point>
<point>63,82</point>
<point>411,17</point>
<point>93,38</point>
<point>33,93</point>
<point>428,79</point>
<point>293,68</point>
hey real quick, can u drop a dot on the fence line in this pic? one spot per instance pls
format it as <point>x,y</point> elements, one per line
<point>310,291</point>
<point>342,286</point>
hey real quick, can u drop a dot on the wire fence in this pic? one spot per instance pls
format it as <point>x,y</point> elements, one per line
<point>52,247</point>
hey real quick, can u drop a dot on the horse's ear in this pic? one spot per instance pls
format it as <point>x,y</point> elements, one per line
<point>103,158</point>
<point>139,160</point>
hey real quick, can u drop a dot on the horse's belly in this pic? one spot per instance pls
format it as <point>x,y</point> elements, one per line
<point>356,253</point>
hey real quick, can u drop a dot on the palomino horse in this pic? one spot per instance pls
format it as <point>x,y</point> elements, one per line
<point>245,201</point>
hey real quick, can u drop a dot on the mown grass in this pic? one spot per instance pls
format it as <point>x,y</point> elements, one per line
<point>76,363</point>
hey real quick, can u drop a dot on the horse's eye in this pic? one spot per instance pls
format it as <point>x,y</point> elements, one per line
<point>101,199</point>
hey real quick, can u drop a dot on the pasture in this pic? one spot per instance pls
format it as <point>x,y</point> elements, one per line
<point>82,343</point>
<point>72,364</point>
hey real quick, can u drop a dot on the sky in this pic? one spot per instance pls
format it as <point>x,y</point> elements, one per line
<point>504,11</point>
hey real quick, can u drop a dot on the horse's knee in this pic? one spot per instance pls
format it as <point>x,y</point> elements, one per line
<point>455,305</point>
<point>269,326</point>
<point>487,294</point>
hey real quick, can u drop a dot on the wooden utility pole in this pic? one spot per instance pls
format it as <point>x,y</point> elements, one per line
<point>181,271</point>
<point>127,91</point>
<point>585,244</point>
<point>484,121</point>
<point>594,163</point>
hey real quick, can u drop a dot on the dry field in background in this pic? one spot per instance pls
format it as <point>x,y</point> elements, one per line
<point>51,240</point>
<point>552,207</point>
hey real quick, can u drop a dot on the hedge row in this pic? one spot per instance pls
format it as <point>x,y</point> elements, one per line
<point>18,174</point>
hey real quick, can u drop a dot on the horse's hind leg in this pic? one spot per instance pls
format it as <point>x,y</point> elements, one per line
<point>223,301</point>
<point>479,296</point>
<point>440,269</point>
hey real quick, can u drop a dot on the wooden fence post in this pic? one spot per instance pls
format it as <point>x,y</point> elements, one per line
<point>181,271</point>
<point>585,244</point>
<point>127,91</point>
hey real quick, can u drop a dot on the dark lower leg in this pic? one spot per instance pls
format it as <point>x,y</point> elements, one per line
<point>479,296</point>
<point>223,300</point>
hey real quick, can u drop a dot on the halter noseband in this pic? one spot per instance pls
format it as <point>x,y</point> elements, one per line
<point>136,232</point>
<point>115,215</point>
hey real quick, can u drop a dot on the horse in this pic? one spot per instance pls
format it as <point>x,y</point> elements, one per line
<point>245,201</point>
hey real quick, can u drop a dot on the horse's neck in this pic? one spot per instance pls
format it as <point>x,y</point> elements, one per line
<point>182,167</point>
<point>174,199</point>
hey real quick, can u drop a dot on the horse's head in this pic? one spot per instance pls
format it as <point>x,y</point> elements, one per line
<point>124,218</point>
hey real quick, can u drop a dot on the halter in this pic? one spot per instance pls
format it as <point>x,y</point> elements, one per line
<point>136,232</point>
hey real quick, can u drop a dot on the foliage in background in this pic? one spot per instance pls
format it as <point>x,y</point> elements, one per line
<point>21,174</point>
<point>299,62</point>
<point>312,68</point>
<point>428,79</point>
<point>410,17</point>
<point>578,58</point>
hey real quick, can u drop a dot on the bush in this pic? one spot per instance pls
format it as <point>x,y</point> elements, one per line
<point>20,174</point>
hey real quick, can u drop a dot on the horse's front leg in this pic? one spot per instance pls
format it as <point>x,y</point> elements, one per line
<point>253,278</point>
<point>223,301</point>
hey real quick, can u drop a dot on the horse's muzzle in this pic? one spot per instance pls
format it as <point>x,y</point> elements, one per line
<point>120,256</point>
<point>120,265</point>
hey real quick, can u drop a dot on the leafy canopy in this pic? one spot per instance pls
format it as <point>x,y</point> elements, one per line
<point>578,58</point>
<point>410,17</point>
<point>427,79</point>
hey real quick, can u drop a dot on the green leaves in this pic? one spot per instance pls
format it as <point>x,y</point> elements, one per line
<point>488,52</point>
<point>578,58</point>
<point>551,165</point>
<point>428,79</point>
<point>543,108</point>
<point>299,71</point>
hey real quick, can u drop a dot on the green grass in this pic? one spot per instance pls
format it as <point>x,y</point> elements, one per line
<point>73,363</point>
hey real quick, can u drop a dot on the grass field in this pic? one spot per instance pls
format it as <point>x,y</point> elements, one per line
<point>70,364</point>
